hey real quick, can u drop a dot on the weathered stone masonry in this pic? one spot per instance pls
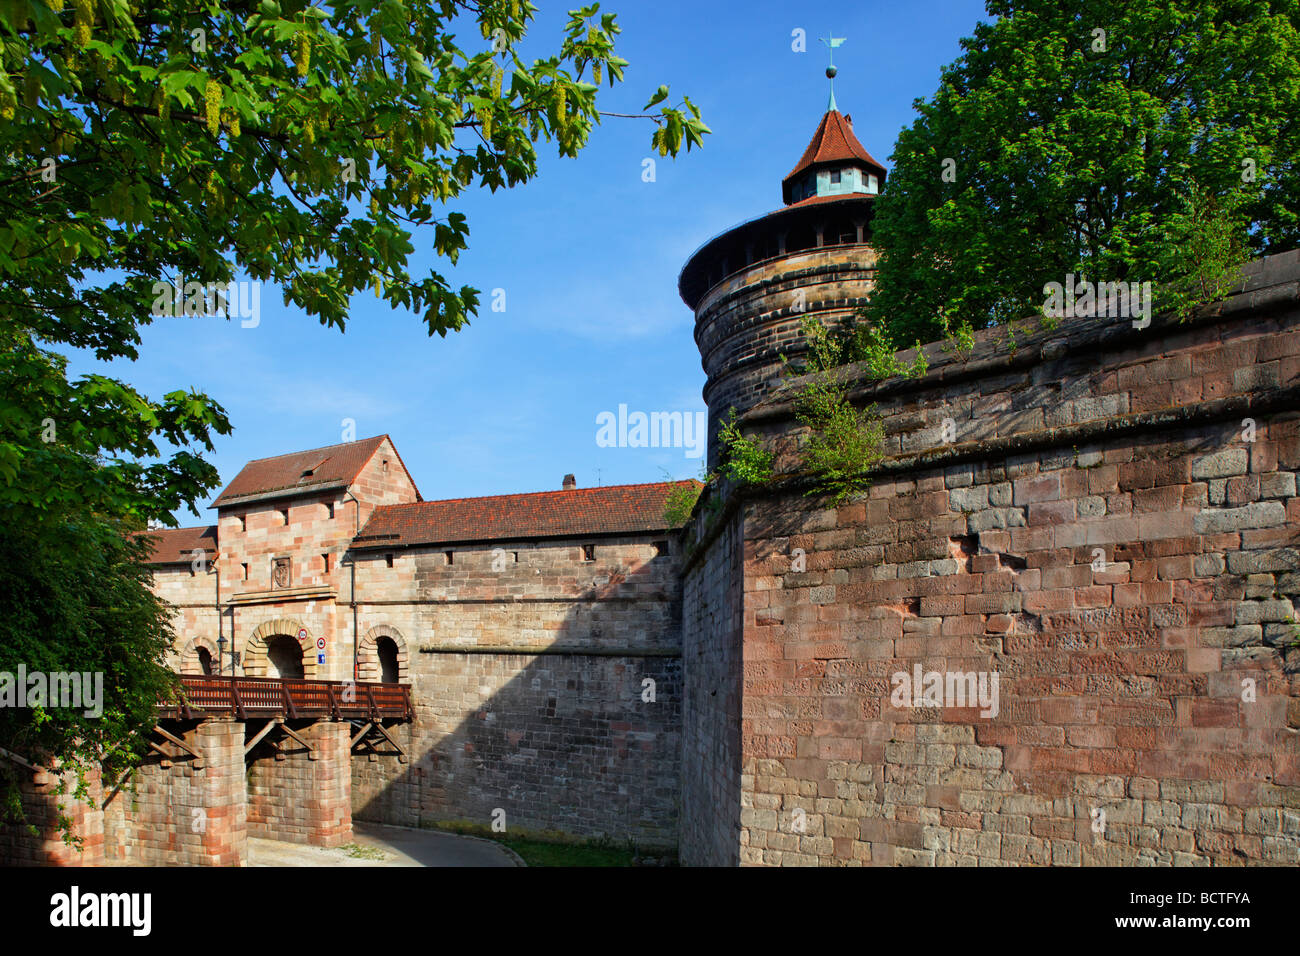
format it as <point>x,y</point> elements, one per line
<point>529,683</point>
<point>1157,691</point>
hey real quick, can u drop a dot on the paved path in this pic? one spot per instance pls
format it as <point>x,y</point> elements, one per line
<point>377,845</point>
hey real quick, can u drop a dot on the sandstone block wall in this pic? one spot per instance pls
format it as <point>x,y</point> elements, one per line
<point>558,742</point>
<point>528,665</point>
<point>298,798</point>
<point>43,806</point>
<point>197,811</point>
<point>1114,530</point>
<point>183,815</point>
<point>711,754</point>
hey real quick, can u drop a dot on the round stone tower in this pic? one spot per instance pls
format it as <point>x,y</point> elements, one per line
<point>752,285</point>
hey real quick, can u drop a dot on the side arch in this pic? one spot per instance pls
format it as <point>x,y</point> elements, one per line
<point>189,662</point>
<point>256,662</point>
<point>369,665</point>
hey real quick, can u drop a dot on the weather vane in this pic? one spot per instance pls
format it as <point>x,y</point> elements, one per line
<point>831,43</point>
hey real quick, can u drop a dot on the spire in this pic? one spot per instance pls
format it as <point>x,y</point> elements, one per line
<point>831,43</point>
<point>833,146</point>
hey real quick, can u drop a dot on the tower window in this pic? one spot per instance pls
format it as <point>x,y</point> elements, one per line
<point>325,562</point>
<point>589,552</point>
<point>388,559</point>
<point>245,571</point>
<point>243,522</point>
<point>835,176</point>
<point>284,513</point>
<point>661,548</point>
<point>329,509</point>
<point>451,558</point>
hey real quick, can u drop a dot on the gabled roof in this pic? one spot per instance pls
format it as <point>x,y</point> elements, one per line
<point>303,472</point>
<point>613,509</point>
<point>832,144</point>
<point>177,545</point>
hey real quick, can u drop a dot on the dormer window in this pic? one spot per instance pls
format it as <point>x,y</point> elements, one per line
<point>835,177</point>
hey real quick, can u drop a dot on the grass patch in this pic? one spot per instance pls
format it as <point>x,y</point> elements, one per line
<point>537,853</point>
<point>555,849</point>
<point>359,852</point>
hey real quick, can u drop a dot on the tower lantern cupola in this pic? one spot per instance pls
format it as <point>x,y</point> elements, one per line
<point>834,164</point>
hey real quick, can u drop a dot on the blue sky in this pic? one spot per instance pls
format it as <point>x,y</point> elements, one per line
<point>588,255</point>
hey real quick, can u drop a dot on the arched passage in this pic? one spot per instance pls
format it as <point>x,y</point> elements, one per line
<point>381,656</point>
<point>283,657</point>
<point>264,656</point>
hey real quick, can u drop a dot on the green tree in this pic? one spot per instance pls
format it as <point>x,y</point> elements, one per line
<point>1143,140</point>
<point>146,144</point>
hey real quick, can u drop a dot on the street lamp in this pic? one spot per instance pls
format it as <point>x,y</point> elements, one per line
<point>221,654</point>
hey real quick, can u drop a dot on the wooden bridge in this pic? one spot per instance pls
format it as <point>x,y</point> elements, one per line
<point>262,697</point>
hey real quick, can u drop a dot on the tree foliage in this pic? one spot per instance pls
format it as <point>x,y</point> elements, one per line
<point>300,144</point>
<point>1143,140</point>
<point>144,144</point>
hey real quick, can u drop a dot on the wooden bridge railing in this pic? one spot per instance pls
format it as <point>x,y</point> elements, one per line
<point>240,697</point>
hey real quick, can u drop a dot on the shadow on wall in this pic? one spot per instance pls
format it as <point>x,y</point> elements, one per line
<point>581,744</point>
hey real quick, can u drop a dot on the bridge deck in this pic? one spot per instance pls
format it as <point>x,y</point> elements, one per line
<point>240,697</point>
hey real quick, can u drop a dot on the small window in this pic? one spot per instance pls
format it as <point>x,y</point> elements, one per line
<point>245,567</point>
<point>243,522</point>
<point>661,548</point>
<point>325,562</point>
<point>388,559</point>
<point>385,466</point>
<point>284,513</point>
<point>329,509</point>
<point>450,557</point>
<point>835,176</point>
<point>515,556</point>
<point>589,552</point>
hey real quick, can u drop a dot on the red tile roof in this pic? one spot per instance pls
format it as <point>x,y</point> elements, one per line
<point>613,509</point>
<point>830,197</point>
<point>335,466</point>
<point>833,142</point>
<point>176,545</point>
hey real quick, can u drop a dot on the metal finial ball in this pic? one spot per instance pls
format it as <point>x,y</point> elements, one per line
<point>830,72</point>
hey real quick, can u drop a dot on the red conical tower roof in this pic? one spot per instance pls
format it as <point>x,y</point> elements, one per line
<point>832,145</point>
